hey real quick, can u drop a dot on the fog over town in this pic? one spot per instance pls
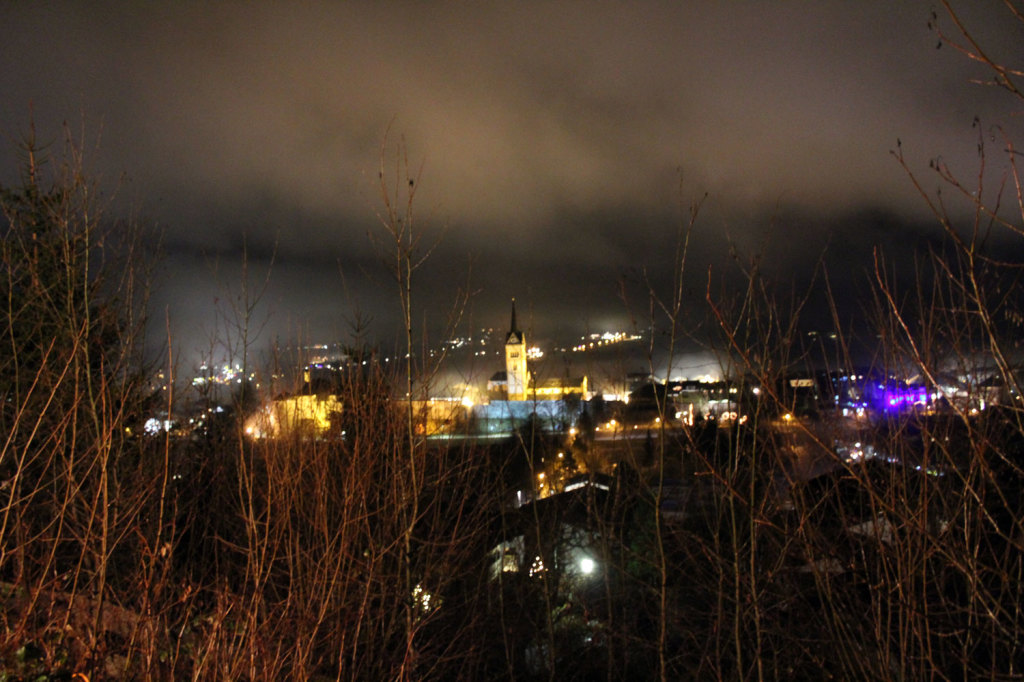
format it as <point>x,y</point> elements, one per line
<point>487,341</point>
<point>557,147</point>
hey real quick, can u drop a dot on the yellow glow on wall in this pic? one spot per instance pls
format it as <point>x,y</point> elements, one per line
<point>305,415</point>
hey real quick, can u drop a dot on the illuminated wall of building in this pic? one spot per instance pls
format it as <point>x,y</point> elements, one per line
<point>299,415</point>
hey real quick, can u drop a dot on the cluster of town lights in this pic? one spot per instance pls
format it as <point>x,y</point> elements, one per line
<point>605,339</point>
<point>227,375</point>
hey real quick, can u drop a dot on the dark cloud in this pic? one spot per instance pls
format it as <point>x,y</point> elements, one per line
<point>553,137</point>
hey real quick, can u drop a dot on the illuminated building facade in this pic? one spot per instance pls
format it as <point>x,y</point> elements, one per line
<point>516,373</point>
<point>559,389</point>
<point>303,415</point>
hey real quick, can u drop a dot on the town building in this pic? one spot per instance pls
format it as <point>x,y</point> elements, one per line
<point>517,377</point>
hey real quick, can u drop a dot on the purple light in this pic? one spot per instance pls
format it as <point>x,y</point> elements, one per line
<point>898,398</point>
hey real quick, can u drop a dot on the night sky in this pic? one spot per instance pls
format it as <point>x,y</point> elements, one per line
<point>557,145</point>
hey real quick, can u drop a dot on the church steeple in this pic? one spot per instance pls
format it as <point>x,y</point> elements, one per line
<point>515,360</point>
<point>513,329</point>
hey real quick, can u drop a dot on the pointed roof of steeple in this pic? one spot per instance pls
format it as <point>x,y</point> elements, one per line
<point>514,334</point>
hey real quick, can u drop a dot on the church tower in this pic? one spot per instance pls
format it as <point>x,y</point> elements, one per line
<point>515,360</point>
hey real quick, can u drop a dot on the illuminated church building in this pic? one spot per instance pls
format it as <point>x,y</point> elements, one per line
<point>517,383</point>
<point>516,374</point>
